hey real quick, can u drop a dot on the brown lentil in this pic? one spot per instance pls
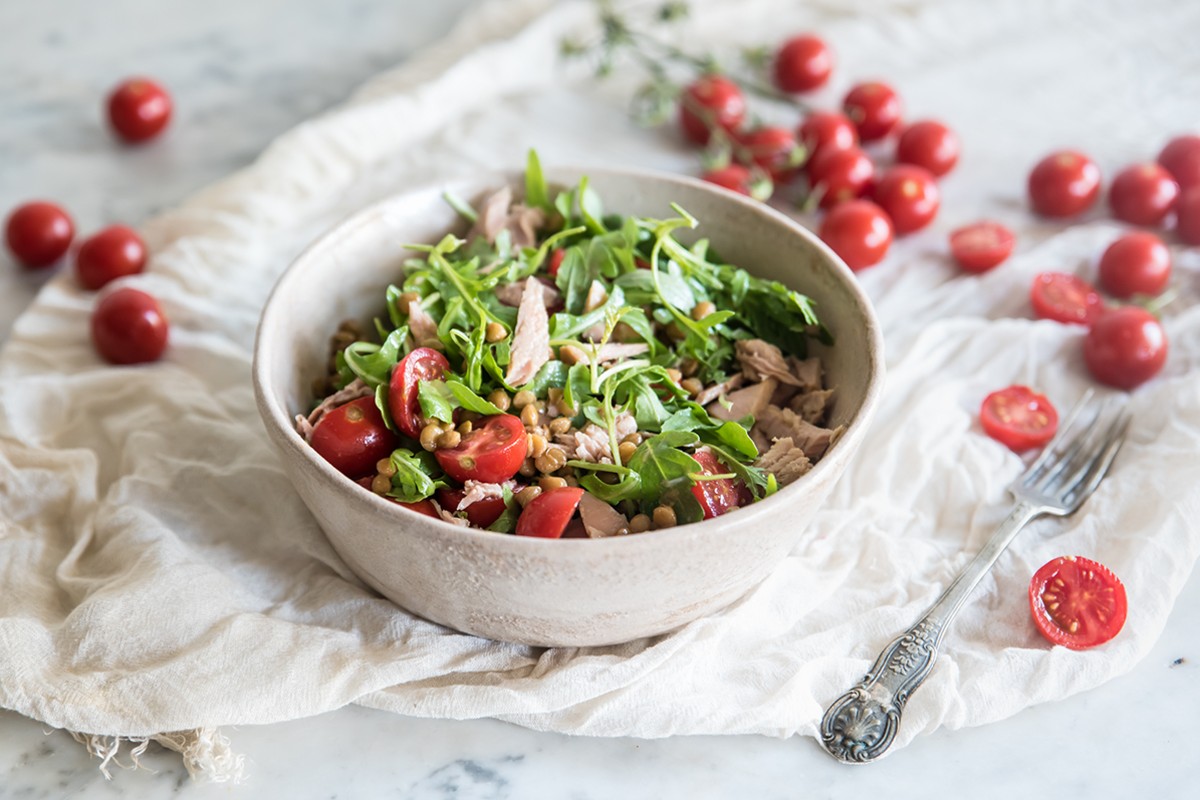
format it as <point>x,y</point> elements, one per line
<point>692,386</point>
<point>560,425</point>
<point>675,375</point>
<point>702,310</point>
<point>639,524</point>
<point>627,507</point>
<point>495,332</point>
<point>527,468</point>
<point>675,332</point>
<point>551,460</point>
<point>523,398</point>
<point>664,517</point>
<point>429,436</point>
<point>530,415</point>
<point>500,399</point>
<point>689,366</point>
<point>528,495</point>
<point>381,484</point>
<point>626,451</point>
<point>448,439</point>
<point>549,483</point>
<point>633,438</point>
<point>536,444</point>
<point>465,427</point>
<point>385,467</point>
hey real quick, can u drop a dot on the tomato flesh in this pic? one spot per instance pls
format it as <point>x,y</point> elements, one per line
<point>422,364</point>
<point>129,327</point>
<point>555,263</point>
<point>1063,297</point>
<point>492,452</point>
<point>1125,347</point>
<point>481,513</point>
<point>715,496</point>
<point>547,515</point>
<point>112,253</point>
<point>353,437</point>
<point>1019,418</point>
<point>1137,263</point>
<point>1077,602</point>
<point>38,234</point>
<point>981,246</point>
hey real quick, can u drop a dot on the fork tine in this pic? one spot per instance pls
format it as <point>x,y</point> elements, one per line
<point>1059,439</point>
<point>1083,448</point>
<point>1099,437</point>
<point>1063,458</point>
<point>1116,437</point>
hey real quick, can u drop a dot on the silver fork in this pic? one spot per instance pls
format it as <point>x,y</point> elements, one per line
<point>861,724</point>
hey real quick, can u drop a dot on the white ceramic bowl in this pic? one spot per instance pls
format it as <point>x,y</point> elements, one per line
<point>573,592</point>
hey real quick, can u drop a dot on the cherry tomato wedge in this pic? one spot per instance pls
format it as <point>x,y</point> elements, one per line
<point>112,253</point>
<point>547,515</point>
<point>38,233</point>
<point>481,513</point>
<point>1137,263</point>
<point>492,452</point>
<point>1077,602</point>
<point>715,496</point>
<point>353,437</point>
<point>981,246</point>
<point>1065,298</point>
<point>422,364</point>
<point>1125,347</point>
<point>1019,418</point>
<point>129,327</point>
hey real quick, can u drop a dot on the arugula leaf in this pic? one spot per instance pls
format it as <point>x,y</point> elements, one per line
<point>552,374</point>
<point>573,279</point>
<point>385,409</point>
<point>664,474</point>
<point>414,479</point>
<point>627,487</point>
<point>436,399</point>
<point>507,521</point>
<point>536,194</point>
<point>470,400</point>
<point>577,386</point>
<point>590,207</point>
<point>461,206</point>
<point>640,289</point>
<point>754,477</point>
<point>372,362</point>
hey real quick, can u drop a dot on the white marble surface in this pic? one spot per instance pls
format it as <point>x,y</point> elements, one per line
<point>243,72</point>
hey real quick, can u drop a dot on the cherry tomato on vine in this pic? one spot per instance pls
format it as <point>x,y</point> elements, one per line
<point>1063,297</point>
<point>928,144</point>
<point>1143,194</point>
<point>492,452</point>
<point>909,194</point>
<point>353,437</point>
<point>1125,347</point>
<point>826,130</point>
<point>1077,602</point>
<point>802,64</point>
<point>1187,213</point>
<point>715,496</point>
<point>1019,418</point>
<point>981,246</point>
<point>139,109</point>
<point>112,253</point>
<point>772,149</point>
<point>859,232</point>
<point>840,175</point>
<point>38,233</point>
<point>422,364</point>
<point>711,102</point>
<point>547,515</point>
<point>481,513</point>
<point>733,177</point>
<point>1181,157</point>
<point>1137,263</point>
<point>1064,184</point>
<point>129,327</point>
<point>874,108</point>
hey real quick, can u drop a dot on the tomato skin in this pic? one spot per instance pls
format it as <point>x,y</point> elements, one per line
<point>425,507</point>
<point>826,130</point>
<point>353,437</point>
<point>733,177</point>
<point>1019,418</point>
<point>547,515</point>
<point>841,175</point>
<point>481,513</point>
<point>422,364</point>
<point>112,253</point>
<point>555,262</point>
<point>139,109</point>
<point>712,101</point>
<point>981,246</point>
<point>1076,592</point>
<point>1125,347</point>
<point>859,232</point>
<point>1181,158</point>
<point>38,233</point>
<point>802,64</point>
<point>129,327</point>
<point>715,496</point>
<point>1187,212</point>
<point>772,148</point>
<point>874,108</point>
<point>1065,298</point>
<point>909,195</point>
<point>492,452</point>
<point>929,144</point>
<point>1137,263</point>
<point>1143,194</point>
<point>1064,184</point>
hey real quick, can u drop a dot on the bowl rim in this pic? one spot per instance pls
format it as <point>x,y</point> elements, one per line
<point>279,421</point>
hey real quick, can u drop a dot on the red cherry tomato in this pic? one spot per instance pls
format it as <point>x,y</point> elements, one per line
<point>840,175</point>
<point>556,258</point>
<point>981,246</point>
<point>547,515</point>
<point>139,109</point>
<point>38,233</point>
<point>711,102</point>
<point>1019,418</point>
<point>803,63</point>
<point>425,507</point>
<point>353,437</point>
<point>1077,602</point>
<point>1187,212</point>
<point>1064,184</point>
<point>1143,194</point>
<point>733,177</point>
<point>1137,263</point>
<point>1065,298</point>
<point>826,130</point>
<point>859,232</point>
<point>129,327</point>
<point>715,496</point>
<point>928,144</point>
<point>774,150</point>
<point>874,108</point>
<point>481,513</point>
<point>1125,347</point>
<point>1181,157</point>
<point>422,364</point>
<point>491,452</point>
<point>112,253</point>
<point>909,194</point>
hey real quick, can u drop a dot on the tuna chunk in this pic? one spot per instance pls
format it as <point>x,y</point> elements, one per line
<point>352,391</point>
<point>420,325</point>
<point>591,443</point>
<point>474,491</point>
<point>531,337</point>
<point>782,423</point>
<point>812,406</point>
<point>710,393</point>
<point>762,360</point>
<point>808,372</point>
<point>510,294</point>
<point>752,400</point>
<point>499,213</point>
<point>785,461</point>
<point>601,520</point>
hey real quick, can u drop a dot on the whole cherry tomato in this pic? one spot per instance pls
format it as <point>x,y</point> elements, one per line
<point>1187,212</point>
<point>547,515</point>
<point>1063,297</point>
<point>859,232</point>
<point>709,103</point>
<point>840,175</point>
<point>1137,263</point>
<point>874,108</point>
<point>1125,347</point>
<point>1077,602</point>
<point>909,194</point>
<point>481,513</point>
<point>803,63</point>
<point>1181,157</point>
<point>1064,184</point>
<point>492,452</point>
<point>716,496</point>
<point>733,177</point>
<point>129,327</point>
<point>353,437</point>
<point>774,150</point>
<point>981,246</point>
<point>826,130</point>
<point>928,144</point>
<point>1143,194</point>
<point>139,109</point>
<point>422,364</point>
<point>38,233</point>
<point>1019,418</point>
<point>112,253</point>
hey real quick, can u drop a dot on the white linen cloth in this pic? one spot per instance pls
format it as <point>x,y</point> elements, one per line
<point>158,573</point>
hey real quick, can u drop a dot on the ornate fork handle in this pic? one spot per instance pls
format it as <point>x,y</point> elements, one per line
<point>861,724</point>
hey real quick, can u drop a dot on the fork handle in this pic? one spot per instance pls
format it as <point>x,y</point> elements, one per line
<point>861,724</point>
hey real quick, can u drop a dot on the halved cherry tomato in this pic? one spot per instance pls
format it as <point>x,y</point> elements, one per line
<point>492,452</point>
<point>909,194</point>
<point>1125,347</point>
<point>422,364</point>
<point>1019,418</point>
<point>112,253</point>
<point>556,258</point>
<point>715,496</point>
<point>826,130</point>
<point>1181,157</point>
<point>803,64</point>
<point>840,175</point>
<point>353,437</point>
<point>1143,194</point>
<point>710,103</point>
<point>38,233</point>
<point>981,246</point>
<point>1064,184</point>
<point>1077,602</point>
<point>1065,298</point>
<point>547,515</point>
<point>874,108</point>
<point>481,513</point>
<point>928,144</point>
<point>129,327</point>
<point>1137,263</point>
<point>425,507</point>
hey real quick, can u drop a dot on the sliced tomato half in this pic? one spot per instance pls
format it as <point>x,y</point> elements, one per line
<point>422,364</point>
<point>1077,602</point>
<point>492,452</point>
<point>1019,418</point>
<point>716,496</point>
